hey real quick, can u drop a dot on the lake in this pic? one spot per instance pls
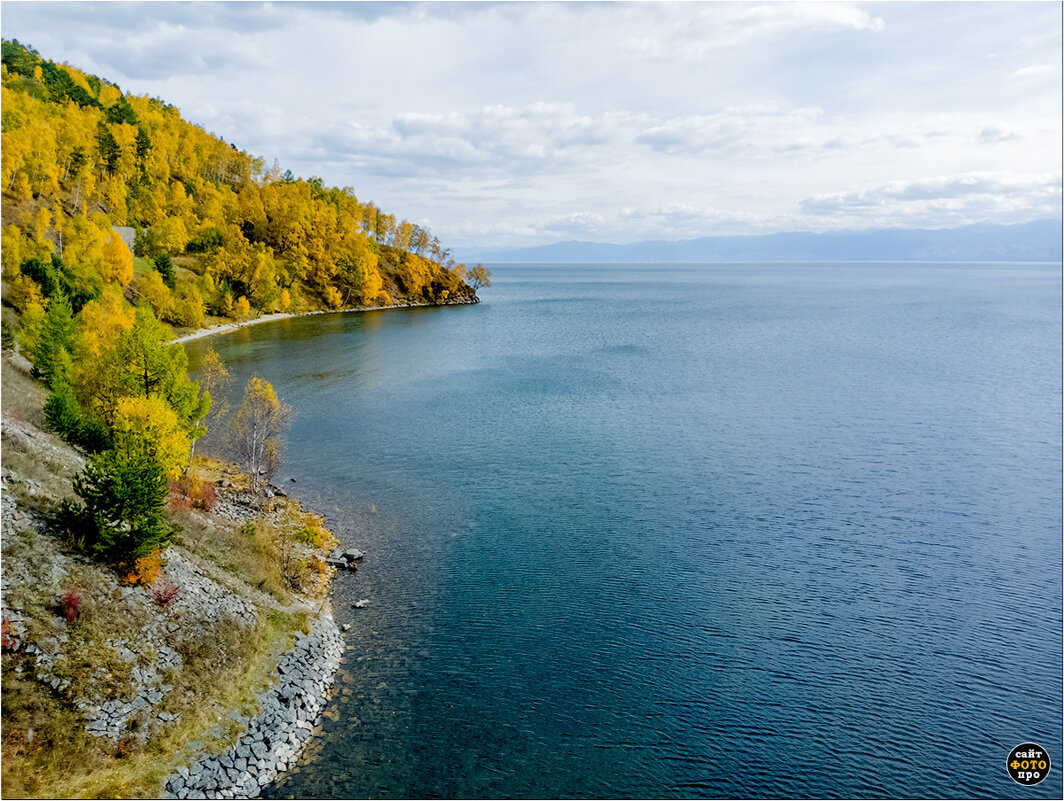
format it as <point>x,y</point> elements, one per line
<point>657,531</point>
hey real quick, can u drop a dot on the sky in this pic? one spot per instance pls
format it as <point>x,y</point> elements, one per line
<point>515,124</point>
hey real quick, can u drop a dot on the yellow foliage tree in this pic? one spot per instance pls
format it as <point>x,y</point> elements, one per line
<point>43,224</point>
<point>11,250</point>
<point>117,261</point>
<point>172,235</point>
<point>158,295</point>
<point>333,297</point>
<point>101,321</point>
<point>256,431</point>
<point>148,424</point>
<point>242,308</point>
<point>25,292</point>
<point>189,309</point>
<point>31,326</point>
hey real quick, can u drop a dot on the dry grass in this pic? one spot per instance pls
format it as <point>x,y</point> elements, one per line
<point>255,552</point>
<point>253,559</point>
<point>225,670</point>
<point>42,473</point>
<point>21,396</point>
<point>225,667</point>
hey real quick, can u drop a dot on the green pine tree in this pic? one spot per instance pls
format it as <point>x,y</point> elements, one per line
<point>58,333</point>
<point>165,267</point>
<point>120,517</point>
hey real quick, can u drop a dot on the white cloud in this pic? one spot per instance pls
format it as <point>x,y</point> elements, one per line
<point>1033,69</point>
<point>732,25</point>
<point>944,200</point>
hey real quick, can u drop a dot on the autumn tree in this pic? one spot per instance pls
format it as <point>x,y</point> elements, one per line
<point>141,362</point>
<point>478,277</point>
<point>85,156</point>
<point>117,260</point>
<point>149,427</point>
<point>256,432</point>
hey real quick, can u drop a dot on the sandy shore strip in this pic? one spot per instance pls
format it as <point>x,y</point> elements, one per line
<point>225,328</point>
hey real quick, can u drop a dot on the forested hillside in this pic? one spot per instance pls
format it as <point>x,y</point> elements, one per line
<point>217,234</point>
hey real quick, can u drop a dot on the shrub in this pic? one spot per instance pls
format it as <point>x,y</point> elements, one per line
<point>204,497</point>
<point>72,602</point>
<point>199,493</point>
<point>8,640</point>
<point>93,435</point>
<point>61,412</point>
<point>166,593</point>
<point>248,529</point>
<point>181,504</point>
<point>312,534</point>
<point>145,570</point>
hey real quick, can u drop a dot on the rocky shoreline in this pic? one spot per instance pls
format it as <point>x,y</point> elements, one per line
<point>273,740</point>
<point>131,693</point>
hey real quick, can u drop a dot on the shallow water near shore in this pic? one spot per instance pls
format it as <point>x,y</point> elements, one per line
<point>747,531</point>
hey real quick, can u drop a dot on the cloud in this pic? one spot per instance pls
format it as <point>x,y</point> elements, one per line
<point>944,200</point>
<point>994,134</point>
<point>751,129</point>
<point>739,24</point>
<point>1033,69</point>
<point>538,136</point>
<point>628,224</point>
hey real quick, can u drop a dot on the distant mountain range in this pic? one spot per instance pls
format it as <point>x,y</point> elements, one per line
<point>1035,241</point>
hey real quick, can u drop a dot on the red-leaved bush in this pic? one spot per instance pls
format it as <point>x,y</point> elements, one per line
<point>191,491</point>
<point>72,601</point>
<point>180,504</point>
<point>204,496</point>
<point>166,593</point>
<point>8,641</point>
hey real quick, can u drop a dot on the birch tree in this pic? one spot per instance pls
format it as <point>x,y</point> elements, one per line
<point>257,430</point>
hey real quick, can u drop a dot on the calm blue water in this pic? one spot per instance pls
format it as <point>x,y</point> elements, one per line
<point>724,531</point>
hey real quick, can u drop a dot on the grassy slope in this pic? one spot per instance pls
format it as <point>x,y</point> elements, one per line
<point>224,667</point>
